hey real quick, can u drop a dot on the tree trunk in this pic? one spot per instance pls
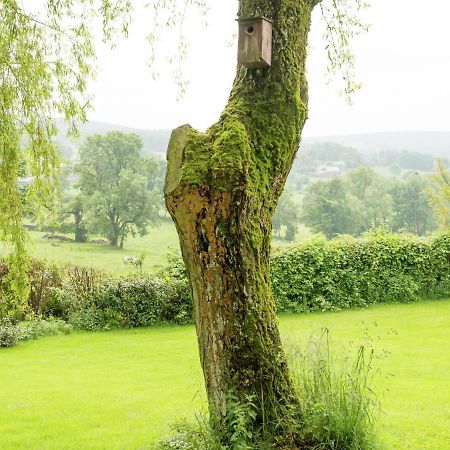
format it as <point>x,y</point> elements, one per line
<point>221,190</point>
<point>80,231</point>
<point>114,240</point>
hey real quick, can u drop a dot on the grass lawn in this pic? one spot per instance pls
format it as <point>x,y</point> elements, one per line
<point>120,389</point>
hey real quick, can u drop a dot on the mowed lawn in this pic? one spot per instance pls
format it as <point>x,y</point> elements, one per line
<point>120,389</point>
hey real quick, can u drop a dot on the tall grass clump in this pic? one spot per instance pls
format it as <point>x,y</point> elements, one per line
<point>338,405</point>
<point>338,408</point>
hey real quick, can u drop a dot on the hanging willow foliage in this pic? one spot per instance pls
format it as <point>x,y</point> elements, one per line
<point>46,58</point>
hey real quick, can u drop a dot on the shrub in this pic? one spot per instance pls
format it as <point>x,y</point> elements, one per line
<point>60,303</point>
<point>350,272</point>
<point>83,281</point>
<point>42,328</point>
<point>133,302</point>
<point>10,332</point>
<point>93,319</point>
<point>43,277</point>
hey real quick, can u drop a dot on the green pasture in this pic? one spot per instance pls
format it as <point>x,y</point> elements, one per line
<point>120,389</point>
<point>157,244</point>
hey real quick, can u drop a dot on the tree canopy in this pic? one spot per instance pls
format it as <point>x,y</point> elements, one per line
<point>121,189</point>
<point>440,196</point>
<point>362,199</point>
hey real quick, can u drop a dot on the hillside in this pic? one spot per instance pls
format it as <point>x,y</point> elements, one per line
<point>155,141</point>
<point>433,143</point>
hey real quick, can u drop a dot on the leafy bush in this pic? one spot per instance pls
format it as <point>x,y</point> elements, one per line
<point>43,277</point>
<point>133,302</point>
<point>350,272</point>
<point>42,328</point>
<point>93,319</point>
<point>60,303</point>
<point>12,332</point>
<point>83,280</point>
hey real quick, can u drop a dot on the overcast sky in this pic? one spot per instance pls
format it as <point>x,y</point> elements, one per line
<point>403,64</point>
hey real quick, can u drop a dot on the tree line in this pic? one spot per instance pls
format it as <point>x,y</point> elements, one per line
<point>313,157</point>
<point>116,191</point>
<point>362,199</point>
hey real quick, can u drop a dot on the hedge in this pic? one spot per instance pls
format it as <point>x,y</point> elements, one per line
<point>132,302</point>
<point>350,272</point>
<point>315,275</point>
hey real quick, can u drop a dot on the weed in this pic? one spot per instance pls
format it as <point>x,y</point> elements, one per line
<point>338,408</point>
<point>338,405</point>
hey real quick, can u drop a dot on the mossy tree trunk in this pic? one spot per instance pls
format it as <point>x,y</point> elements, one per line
<point>221,190</point>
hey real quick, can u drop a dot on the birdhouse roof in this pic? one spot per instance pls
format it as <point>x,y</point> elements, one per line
<point>253,18</point>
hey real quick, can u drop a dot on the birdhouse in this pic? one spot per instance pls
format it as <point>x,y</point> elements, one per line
<point>255,42</point>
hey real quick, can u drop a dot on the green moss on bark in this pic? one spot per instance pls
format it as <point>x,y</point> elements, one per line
<point>230,180</point>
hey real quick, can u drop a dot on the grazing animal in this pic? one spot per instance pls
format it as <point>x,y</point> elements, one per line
<point>130,260</point>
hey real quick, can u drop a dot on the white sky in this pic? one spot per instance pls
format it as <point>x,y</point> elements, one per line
<point>403,63</point>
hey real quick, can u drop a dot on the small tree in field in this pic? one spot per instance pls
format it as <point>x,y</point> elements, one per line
<point>114,180</point>
<point>439,196</point>
<point>287,214</point>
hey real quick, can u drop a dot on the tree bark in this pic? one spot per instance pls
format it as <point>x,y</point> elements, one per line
<point>80,231</point>
<point>221,190</point>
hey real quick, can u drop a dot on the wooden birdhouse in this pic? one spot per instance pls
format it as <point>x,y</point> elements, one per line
<point>255,42</point>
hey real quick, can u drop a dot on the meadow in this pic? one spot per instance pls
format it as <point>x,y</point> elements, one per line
<point>121,389</point>
<point>157,244</point>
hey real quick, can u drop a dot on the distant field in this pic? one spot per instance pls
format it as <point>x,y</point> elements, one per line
<point>157,244</point>
<point>120,389</point>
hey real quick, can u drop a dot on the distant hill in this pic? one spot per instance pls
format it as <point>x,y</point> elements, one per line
<point>433,143</point>
<point>155,141</point>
